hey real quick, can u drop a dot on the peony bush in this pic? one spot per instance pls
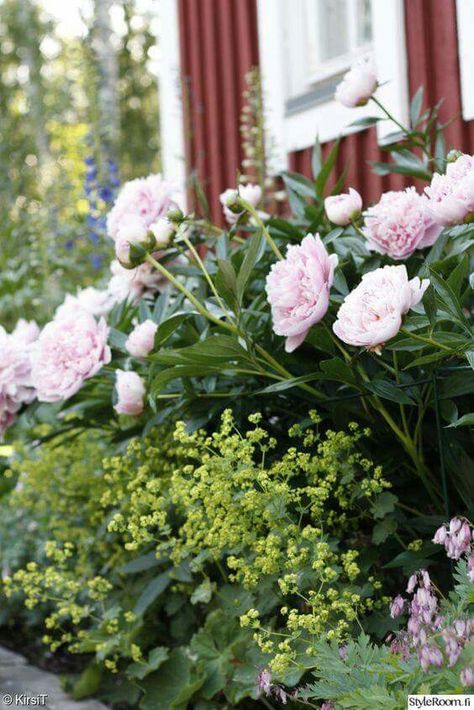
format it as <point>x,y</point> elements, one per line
<point>262,563</point>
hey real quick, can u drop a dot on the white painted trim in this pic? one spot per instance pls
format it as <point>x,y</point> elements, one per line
<point>330,119</point>
<point>272,56</point>
<point>170,97</point>
<point>388,17</point>
<point>465,22</point>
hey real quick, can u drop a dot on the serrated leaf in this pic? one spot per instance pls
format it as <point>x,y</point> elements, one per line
<point>383,504</point>
<point>383,530</point>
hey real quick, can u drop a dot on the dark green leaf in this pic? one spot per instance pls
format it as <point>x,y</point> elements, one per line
<point>466,420</point>
<point>316,158</point>
<point>336,369</point>
<point>448,298</point>
<point>254,252</point>
<point>140,564</point>
<point>151,592</point>
<point>389,390</point>
<point>326,169</point>
<point>366,122</point>
<point>415,107</point>
<point>299,184</point>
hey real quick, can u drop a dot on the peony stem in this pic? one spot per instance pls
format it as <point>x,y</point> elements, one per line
<point>251,209</point>
<point>205,272</point>
<point>199,307</point>
<point>404,130</point>
<point>428,341</point>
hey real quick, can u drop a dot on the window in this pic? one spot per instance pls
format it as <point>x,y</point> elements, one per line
<point>465,17</point>
<point>337,30</point>
<point>306,46</point>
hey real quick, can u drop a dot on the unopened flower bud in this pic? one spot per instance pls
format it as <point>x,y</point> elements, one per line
<point>175,216</point>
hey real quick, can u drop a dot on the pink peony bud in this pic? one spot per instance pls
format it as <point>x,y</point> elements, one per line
<point>131,393</point>
<point>229,200</point>
<point>358,85</point>
<point>372,313</point>
<point>162,230</point>
<point>131,232</point>
<point>251,193</point>
<point>141,340</point>
<point>341,209</point>
<point>298,289</point>
<point>400,223</point>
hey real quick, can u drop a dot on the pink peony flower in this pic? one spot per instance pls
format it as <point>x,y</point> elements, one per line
<point>16,387</point>
<point>358,85</point>
<point>26,331</point>
<point>298,289</point>
<point>133,284</point>
<point>141,340</point>
<point>249,192</point>
<point>451,196</point>
<point>148,199</point>
<point>90,300</point>
<point>372,313</point>
<point>400,223</point>
<point>68,351</point>
<point>131,393</point>
<point>341,209</point>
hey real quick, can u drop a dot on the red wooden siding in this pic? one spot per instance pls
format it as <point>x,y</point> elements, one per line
<point>219,45</point>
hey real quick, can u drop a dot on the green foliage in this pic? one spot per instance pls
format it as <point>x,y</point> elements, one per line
<point>181,550</point>
<point>366,675</point>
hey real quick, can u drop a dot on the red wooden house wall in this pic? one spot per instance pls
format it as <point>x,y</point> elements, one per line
<point>219,44</point>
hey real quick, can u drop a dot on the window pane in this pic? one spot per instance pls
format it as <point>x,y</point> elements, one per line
<point>364,24</point>
<point>332,28</point>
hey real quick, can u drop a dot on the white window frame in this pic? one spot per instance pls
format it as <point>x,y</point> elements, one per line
<point>170,95</point>
<point>328,120</point>
<point>332,67</point>
<point>465,22</point>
